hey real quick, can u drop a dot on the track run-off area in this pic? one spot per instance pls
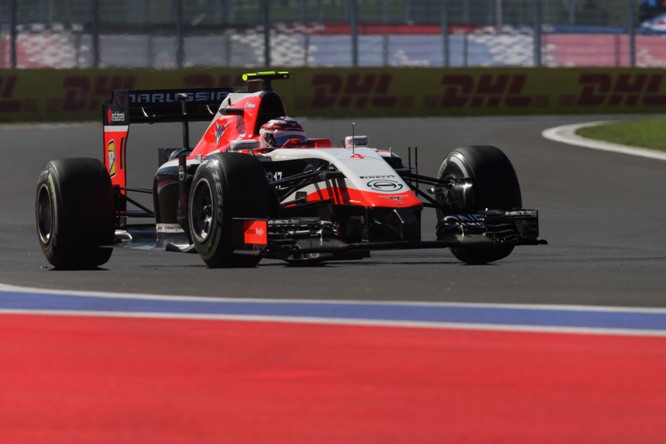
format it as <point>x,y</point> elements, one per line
<point>557,343</point>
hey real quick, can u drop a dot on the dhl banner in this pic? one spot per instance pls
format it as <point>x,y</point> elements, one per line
<point>75,95</point>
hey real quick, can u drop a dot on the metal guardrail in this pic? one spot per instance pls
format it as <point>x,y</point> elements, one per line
<point>234,33</point>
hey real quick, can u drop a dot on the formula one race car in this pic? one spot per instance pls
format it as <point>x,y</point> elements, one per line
<point>255,187</point>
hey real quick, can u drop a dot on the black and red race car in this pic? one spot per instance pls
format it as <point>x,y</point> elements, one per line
<point>234,199</point>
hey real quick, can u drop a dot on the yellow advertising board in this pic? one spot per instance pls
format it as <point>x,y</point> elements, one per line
<point>74,95</point>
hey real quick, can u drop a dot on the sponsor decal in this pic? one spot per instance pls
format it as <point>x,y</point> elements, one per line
<point>357,156</point>
<point>111,155</point>
<point>113,117</point>
<point>121,100</point>
<point>118,117</point>
<point>7,84</point>
<point>394,197</point>
<point>171,97</point>
<point>364,197</point>
<point>486,91</point>
<point>377,177</point>
<point>355,91</point>
<point>627,89</point>
<point>219,131</point>
<point>273,175</point>
<point>384,185</point>
<point>519,213</point>
<point>169,228</point>
<point>255,232</point>
<point>87,93</point>
<point>52,188</point>
<point>8,104</point>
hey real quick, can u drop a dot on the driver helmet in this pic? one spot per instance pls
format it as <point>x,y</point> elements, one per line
<point>276,132</point>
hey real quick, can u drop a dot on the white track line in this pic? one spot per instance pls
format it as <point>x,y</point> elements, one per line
<point>567,134</point>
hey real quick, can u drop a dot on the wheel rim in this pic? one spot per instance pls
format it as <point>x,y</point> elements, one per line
<point>463,199</point>
<point>202,211</point>
<point>45,215</point>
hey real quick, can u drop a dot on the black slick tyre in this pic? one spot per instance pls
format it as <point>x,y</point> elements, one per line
<point>494,185</point>
<point>225,186</point>
<point>75,213</point>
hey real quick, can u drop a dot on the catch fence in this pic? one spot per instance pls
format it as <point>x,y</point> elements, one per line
<point>325,33</point>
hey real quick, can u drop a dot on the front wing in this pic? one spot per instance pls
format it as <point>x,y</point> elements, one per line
<point>283,238</point>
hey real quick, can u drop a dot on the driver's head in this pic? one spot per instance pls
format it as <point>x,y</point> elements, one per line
<point>276,132</point>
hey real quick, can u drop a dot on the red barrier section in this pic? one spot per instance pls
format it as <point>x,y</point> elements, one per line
<point>68,380</point>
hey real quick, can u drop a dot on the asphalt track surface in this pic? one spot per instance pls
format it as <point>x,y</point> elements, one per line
<point>408,346</point>
<point>603,215</point>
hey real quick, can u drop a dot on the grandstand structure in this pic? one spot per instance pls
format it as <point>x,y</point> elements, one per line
<point>326,33</point>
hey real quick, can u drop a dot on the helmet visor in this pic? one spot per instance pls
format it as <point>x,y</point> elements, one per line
<point>283,136</point>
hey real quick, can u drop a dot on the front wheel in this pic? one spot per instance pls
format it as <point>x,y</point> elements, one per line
<point>75,213</point>
<point>490,182</point>
<point>227,186</point>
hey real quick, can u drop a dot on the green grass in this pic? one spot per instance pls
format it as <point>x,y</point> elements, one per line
<point>644,133</point>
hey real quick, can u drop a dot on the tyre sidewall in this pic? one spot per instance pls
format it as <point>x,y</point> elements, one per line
<point>495,182</point>
<point>495,186</point>
<point>82,210</point>
<point>216,246</point>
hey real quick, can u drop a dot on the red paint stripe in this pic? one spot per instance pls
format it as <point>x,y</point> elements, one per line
<point>109,380</point>
<point>351,196</point>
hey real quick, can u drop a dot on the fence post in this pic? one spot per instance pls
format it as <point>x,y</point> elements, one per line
<point>354,32</point>
<point>12,33</point>
<point>180,40</point>
<point>632,32</point>
<point>266,18</point>
<point>95,34</point>
<point>445,34</point>
<point>150,48</point>
<point>499,15</point>
<point>537,33</point>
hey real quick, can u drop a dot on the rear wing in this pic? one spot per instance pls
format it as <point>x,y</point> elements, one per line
<point>165,105</point>
<point>176,105</point>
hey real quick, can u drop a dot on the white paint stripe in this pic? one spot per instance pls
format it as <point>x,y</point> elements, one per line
<point>567,134</point>
<point>116,128</point>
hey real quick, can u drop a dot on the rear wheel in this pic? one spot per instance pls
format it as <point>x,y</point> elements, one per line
<point>75,213</point>
<point>494,185</point>
<point>225,186</point>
